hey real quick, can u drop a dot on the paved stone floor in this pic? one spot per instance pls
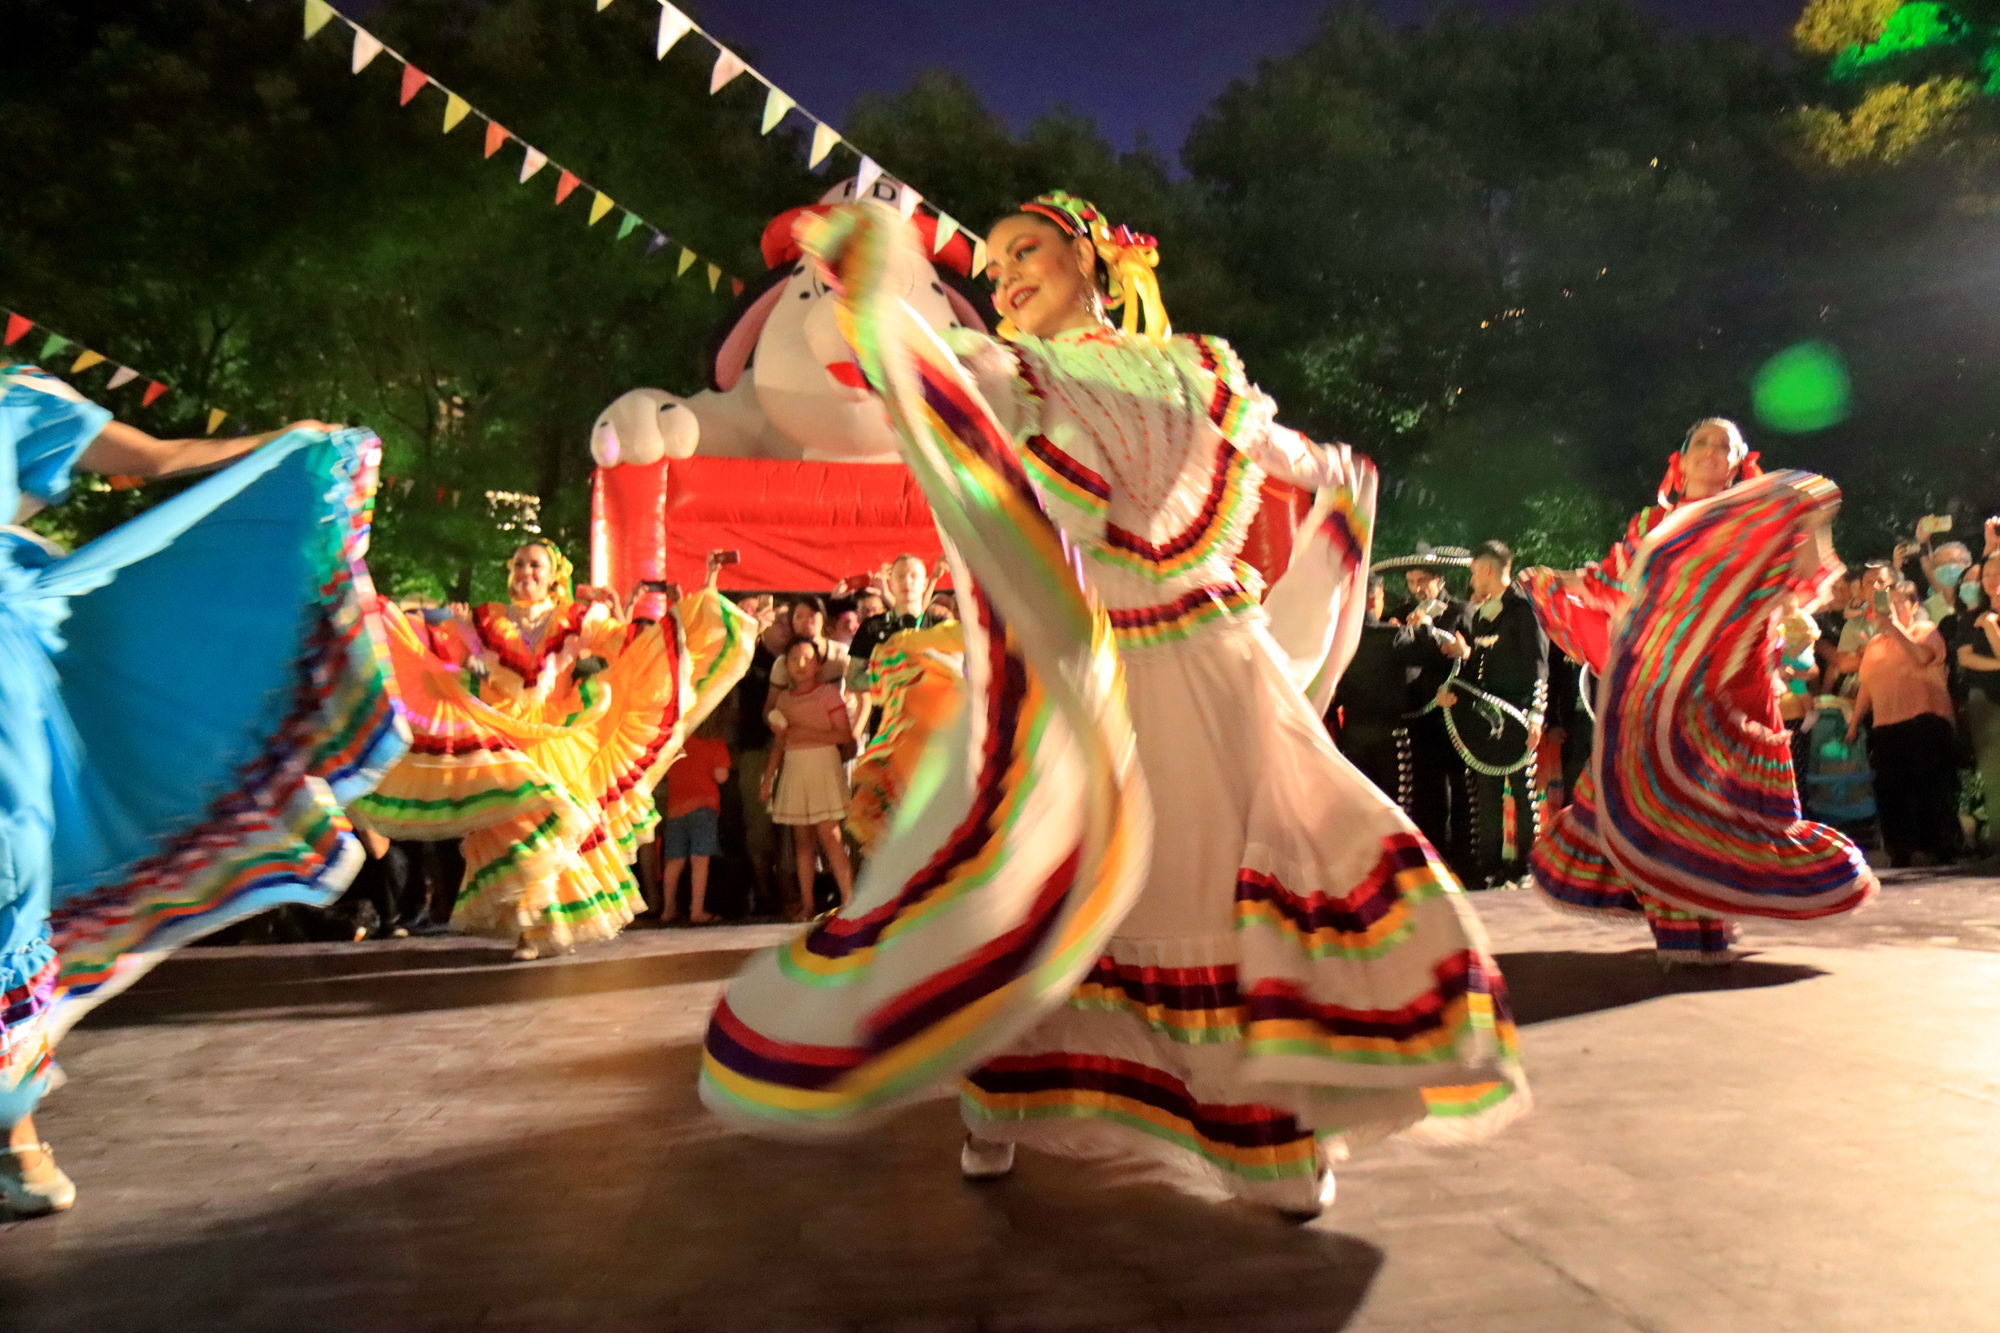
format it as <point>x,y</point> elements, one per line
<point>421,1135</point>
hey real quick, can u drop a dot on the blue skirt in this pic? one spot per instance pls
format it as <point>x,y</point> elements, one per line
<point>185,704</point>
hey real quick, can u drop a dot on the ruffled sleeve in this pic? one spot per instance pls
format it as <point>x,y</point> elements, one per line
<point>49,426</point>
<point>1248,418</point>
<point>997,372</point>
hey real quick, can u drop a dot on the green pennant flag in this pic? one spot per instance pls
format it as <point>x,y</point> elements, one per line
<point>54,346</point>
<point>627,225</point>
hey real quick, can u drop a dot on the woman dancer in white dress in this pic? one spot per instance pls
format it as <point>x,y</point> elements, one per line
<point>1274,969</point>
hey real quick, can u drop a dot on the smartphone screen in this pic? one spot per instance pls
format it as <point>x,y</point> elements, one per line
<point>728,557</point>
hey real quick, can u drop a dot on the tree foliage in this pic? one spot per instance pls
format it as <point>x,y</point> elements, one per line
<point>1510,259</point>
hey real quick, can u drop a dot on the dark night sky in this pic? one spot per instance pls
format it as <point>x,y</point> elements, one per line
<point>1133,66</point>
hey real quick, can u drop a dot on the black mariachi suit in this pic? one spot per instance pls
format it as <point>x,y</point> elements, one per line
<point>1510,660</point>
<point>1435,790</point>
<point>1366,719</point>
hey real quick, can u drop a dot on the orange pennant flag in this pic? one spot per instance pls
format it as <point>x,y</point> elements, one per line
<point>152,395</point>
<point>565,183</point>
<point>215,418</point>
<point>496,134</point>
<point>85,362</point>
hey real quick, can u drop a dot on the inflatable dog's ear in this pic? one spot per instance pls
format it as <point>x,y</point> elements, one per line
<point>730,348</point>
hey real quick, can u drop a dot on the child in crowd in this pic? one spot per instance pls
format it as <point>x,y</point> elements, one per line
<point>805,781</point>
<point>693,808</point>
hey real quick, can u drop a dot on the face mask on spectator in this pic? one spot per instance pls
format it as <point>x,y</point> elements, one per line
<point>1949,575</point>
<point>1968,594</point>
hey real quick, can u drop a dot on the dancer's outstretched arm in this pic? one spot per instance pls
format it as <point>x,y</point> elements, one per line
<point>126,451</point>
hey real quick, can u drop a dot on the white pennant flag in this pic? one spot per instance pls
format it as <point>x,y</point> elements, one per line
<point>121,377</point>
<point>366,47</point>
<point>603,5</point>
<point>776,103</point>
<point>978,255</point>
<point>947,228</point>
<point>534,160</point>
<point>727,66</point>
<point>907,203</point>
<point>865,178</point>
<point>824,138</point>
<point>674,25</point>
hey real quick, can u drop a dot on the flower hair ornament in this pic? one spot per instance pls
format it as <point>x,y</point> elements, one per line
<point>1743,460</point>
<point>1130,260</point>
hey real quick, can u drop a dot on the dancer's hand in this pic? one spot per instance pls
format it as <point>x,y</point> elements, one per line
<point>1447,699</point>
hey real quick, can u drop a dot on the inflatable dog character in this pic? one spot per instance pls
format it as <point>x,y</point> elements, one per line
<point>782,382</point>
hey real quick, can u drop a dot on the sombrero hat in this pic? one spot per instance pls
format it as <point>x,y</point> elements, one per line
<point>1427,557</point>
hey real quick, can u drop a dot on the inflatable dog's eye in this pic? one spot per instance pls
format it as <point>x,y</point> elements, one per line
<point>668,407</point>
<point>938,287</point>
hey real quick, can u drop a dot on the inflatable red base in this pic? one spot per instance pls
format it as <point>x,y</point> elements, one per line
<point>803,527</point>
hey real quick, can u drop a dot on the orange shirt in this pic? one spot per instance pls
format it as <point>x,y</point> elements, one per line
<point>1896,686</point>
<point>691,783</point>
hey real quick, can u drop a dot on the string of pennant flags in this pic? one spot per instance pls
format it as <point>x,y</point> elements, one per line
<point>778,104</point>
<point>457,110</point>
<point>56,346</point>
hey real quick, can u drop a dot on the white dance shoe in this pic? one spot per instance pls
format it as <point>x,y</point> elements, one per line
<point>31,1184</point>
<point>982,1159</point>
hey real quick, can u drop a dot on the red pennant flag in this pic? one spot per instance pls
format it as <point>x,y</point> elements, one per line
<point>496,134</point>
<point>564,184</point>
<point>153,391</point>
<point>736,285</point>
<point>414,80</point>
<point>16,326</point>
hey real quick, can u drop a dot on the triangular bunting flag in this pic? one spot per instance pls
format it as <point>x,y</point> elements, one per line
<point>627,225</point>
<point>947,228</point>
<point>727,66</point>
<point>414,80</point>
<point>366,48</point>
<point>533,161</point>
<point>978,255</point>
<point>455,109</point>
<point>736,285</point>
<point>687,261</point>
<point>566,183</point>
<point>603,5</point>
<point>657,244</point>
<point>53,346</point>
<point>907,202</point>
<point>215,418</point>
<point>599,207</point>
<point>824,138</point>
<point>674,25</point>
<point>776,103</point>
<point>16,326</point>
<point>85,362</point>
<point>318,14</point>
<point>714,276</point>
<point>121,377</point>
<point>152,395</point>
<point>496,134</point>
<point>865,178</point>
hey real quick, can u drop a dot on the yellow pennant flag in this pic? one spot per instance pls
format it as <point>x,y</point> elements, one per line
<point>455,108</point>
<point>714,276</point>
<point>824,138</point>
<point>947,228</point>
<point>85,362</point>
<point>776,103</point>
<point>318,14</point>
<point>687,261</point>
<point>215,416</point>
<point>599,207</point>
<point>603,5</point>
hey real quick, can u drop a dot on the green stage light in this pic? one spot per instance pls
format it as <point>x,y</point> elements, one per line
<point>1803,388</point>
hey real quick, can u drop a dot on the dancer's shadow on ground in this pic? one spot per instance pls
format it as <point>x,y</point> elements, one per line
<point>652,1217</point>
<point>206,984</point>
<point>1546,985</point>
